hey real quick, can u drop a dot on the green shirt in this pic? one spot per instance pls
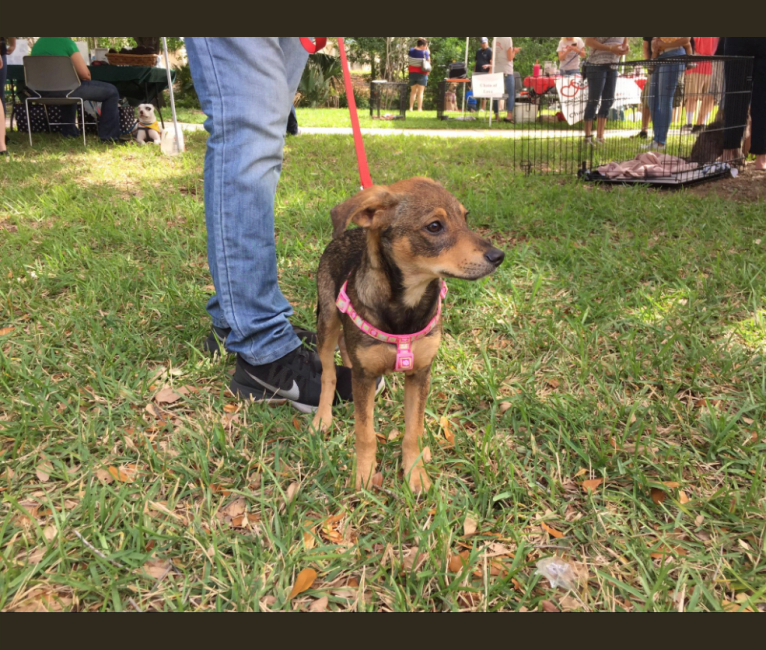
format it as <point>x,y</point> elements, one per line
<point>54,46</point>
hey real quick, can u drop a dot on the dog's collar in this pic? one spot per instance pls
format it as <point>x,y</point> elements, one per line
<point>405,359</point>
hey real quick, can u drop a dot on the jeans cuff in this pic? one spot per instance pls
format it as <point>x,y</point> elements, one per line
<point>292,344</point>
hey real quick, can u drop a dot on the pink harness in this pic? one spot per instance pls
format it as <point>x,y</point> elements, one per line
<point>405,359</point>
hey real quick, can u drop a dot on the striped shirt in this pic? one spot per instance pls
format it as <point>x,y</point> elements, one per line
<point>416,60</point>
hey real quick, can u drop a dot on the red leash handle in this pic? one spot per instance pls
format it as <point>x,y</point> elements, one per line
<point>312,47</point>
<point>361,155</point>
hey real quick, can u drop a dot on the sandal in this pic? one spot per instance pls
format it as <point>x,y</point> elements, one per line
<point>509,121</point>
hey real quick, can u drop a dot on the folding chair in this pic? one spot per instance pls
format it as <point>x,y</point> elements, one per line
<point>52,74</point>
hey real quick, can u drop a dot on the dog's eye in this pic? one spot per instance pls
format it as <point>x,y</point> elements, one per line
<point>435,228</point>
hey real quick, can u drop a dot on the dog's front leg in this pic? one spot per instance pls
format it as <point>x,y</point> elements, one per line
<point>416,387</point>
<point>364,416</point>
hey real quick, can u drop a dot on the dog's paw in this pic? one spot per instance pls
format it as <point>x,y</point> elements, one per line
<point>322,422</point>
<point>419,481</point>
<point>364,477</point>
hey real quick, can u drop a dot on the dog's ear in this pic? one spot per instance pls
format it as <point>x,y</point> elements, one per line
<point>371,208</point>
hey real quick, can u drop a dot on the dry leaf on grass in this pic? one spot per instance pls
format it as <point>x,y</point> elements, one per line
<point>6,330</point>
<point>394,435</point>
<point>303,582</point>
<point>291,493</point>
<point>167,396</point>
<point>671,485</point>
<point>458,562</point>
<point>319,606</point>
<point>377,480</point>
<point>39,600</point>
<point>581,473</point>
<point>470,526</point>
<point>412,559</point>
<point>552,531</point>
<point>683,498</point>
<point>50,533</point>
<point>658,496</point>
<point>231,408</point>
<point>235,509</point>
<point>592,486</point>
<point>44,472</point>
<point>158,569</point>
<point>104,476</point>
<point>496,568</point>
<point>449,436</point>
<point>505,407</point>
<point>550,608</point>
<point>120,476</point>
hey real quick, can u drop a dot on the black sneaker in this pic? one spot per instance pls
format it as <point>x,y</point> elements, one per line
<point>295,379</point>
<point>216,342</point>
<point>642,136</point>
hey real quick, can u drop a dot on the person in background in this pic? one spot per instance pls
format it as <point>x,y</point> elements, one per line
<point>3,145</point>
<point>7,47</point>
<point>483,63</point>
<point>95,91</point>
<point>735,114</point>
<point>602,81</point>
<point>571,49</point>
<point>418,76</point>
<point>664,83</point>
<point>506,53</point>
<point>699,85</point>
<point>646,102</point>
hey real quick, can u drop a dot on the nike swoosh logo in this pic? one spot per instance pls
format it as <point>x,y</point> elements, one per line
<point>292,395</point>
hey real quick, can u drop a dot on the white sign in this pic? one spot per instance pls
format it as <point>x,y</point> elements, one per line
<point>573,95</point>
<point>488,86</point>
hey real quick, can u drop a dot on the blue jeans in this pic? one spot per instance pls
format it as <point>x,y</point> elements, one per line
<point>246,85</point>
<point>94,91</point>
<point>664,82</point>
<point>570,73</point>
<point>510,90</point>
<point>602,84</point>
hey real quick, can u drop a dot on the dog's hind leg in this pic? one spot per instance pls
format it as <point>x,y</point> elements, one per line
<point>364,417</point>
<point>416,387</point>
<point>328,329</point>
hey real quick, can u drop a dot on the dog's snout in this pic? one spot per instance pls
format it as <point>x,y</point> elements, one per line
<point>494,256</point>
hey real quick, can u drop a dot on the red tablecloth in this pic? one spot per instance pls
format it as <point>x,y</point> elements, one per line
<point>540,85</point>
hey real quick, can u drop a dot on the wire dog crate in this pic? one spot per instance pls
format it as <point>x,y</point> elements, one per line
<point>662,122</point>
<point>388,98</point>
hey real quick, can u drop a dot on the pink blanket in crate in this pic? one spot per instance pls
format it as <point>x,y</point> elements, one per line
<point>647,165</point>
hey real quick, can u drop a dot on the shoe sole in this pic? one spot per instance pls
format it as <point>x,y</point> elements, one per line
<point>259,396</point>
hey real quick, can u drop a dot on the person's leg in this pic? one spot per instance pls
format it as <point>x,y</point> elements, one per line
<point>3,81</point>
<point>607,100</point>
<point>413,96</point>
<point>693,95</point>
<point>421,96</point>
<point>246,86</point>
<point>2,129</point>
<point>667,79</point>
<point>510,90</point>
<point>596,83</point>
<point>758,110</point>
<point>107,94</point>
<point>735,114</point>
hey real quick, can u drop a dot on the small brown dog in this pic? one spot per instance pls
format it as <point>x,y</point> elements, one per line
<point>387,276</point>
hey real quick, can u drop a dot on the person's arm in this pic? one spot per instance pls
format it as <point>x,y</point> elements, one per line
<point>10,44</point>
<point>683,41</point>
<point>593,44</point>
<point>81,67</point>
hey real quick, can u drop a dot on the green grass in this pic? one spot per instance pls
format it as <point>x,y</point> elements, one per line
<point>622,341</point>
